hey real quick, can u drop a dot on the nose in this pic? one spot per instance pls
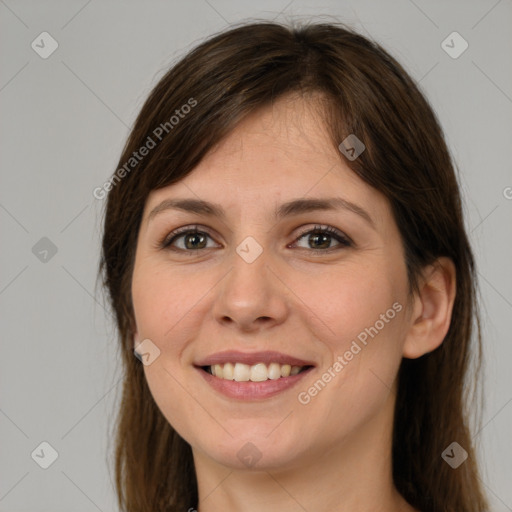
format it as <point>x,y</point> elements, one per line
<point>251,297</point>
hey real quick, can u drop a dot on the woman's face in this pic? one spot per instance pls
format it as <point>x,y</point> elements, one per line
<point>263,287</point>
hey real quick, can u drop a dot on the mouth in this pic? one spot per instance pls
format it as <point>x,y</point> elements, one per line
<point>252,376</point>
<point>260,372</point>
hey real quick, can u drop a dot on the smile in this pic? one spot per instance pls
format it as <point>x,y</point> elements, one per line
<point>252,376</point>
<point>259,372</point>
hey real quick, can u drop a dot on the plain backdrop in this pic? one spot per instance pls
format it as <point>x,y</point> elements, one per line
<point>64,120</point>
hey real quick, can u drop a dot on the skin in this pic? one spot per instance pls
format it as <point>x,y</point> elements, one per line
<point>333,453</point>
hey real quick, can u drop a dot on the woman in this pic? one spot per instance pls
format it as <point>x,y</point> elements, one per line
<point>285,253</point>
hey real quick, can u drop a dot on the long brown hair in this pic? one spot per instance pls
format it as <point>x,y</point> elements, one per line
<point>406,158</point>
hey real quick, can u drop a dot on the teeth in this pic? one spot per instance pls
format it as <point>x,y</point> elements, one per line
<point>242,372</point>
<point>218,371</point>
<point>285,370</point>
<point>274,371</point>
<point>256,373</point>
<point>228,371</point>
<point>259,373</point>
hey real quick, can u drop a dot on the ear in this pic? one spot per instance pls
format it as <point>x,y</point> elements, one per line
<point>432,309</point>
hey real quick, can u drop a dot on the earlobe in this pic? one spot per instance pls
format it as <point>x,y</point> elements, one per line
<point>432,309</point>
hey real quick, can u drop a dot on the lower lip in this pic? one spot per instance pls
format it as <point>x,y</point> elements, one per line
<point>247,391</point>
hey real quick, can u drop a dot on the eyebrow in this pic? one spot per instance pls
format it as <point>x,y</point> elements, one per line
<point>294,207</point>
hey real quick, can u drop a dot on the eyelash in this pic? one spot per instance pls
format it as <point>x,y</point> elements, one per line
<point>343,240</point>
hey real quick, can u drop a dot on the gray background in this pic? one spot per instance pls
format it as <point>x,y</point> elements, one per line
<point>64,122</point>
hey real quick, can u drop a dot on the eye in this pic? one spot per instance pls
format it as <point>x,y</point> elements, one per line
<point>186,239</point>
<point>319,239</point>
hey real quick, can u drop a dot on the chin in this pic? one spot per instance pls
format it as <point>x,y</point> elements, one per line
<point>252,451</point>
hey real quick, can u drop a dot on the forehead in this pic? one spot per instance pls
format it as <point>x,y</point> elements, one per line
<point>291,128</point>
<point>278,153</point>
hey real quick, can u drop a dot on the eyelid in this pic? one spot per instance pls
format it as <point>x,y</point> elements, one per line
<point>343,239</point>
<point>191,228</point>
<point>325,228</point>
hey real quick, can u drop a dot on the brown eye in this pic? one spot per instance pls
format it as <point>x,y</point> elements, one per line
<point>187,240</point>
<point>195,240</point>
<point>320,239</point>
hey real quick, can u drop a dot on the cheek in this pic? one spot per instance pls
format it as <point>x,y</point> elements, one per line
<point>359,320</point>
<point>162,299</point>
<point>163,303</point>
<point>348,300</point>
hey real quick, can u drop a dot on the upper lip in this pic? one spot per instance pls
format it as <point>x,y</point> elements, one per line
<point>252,358</point>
